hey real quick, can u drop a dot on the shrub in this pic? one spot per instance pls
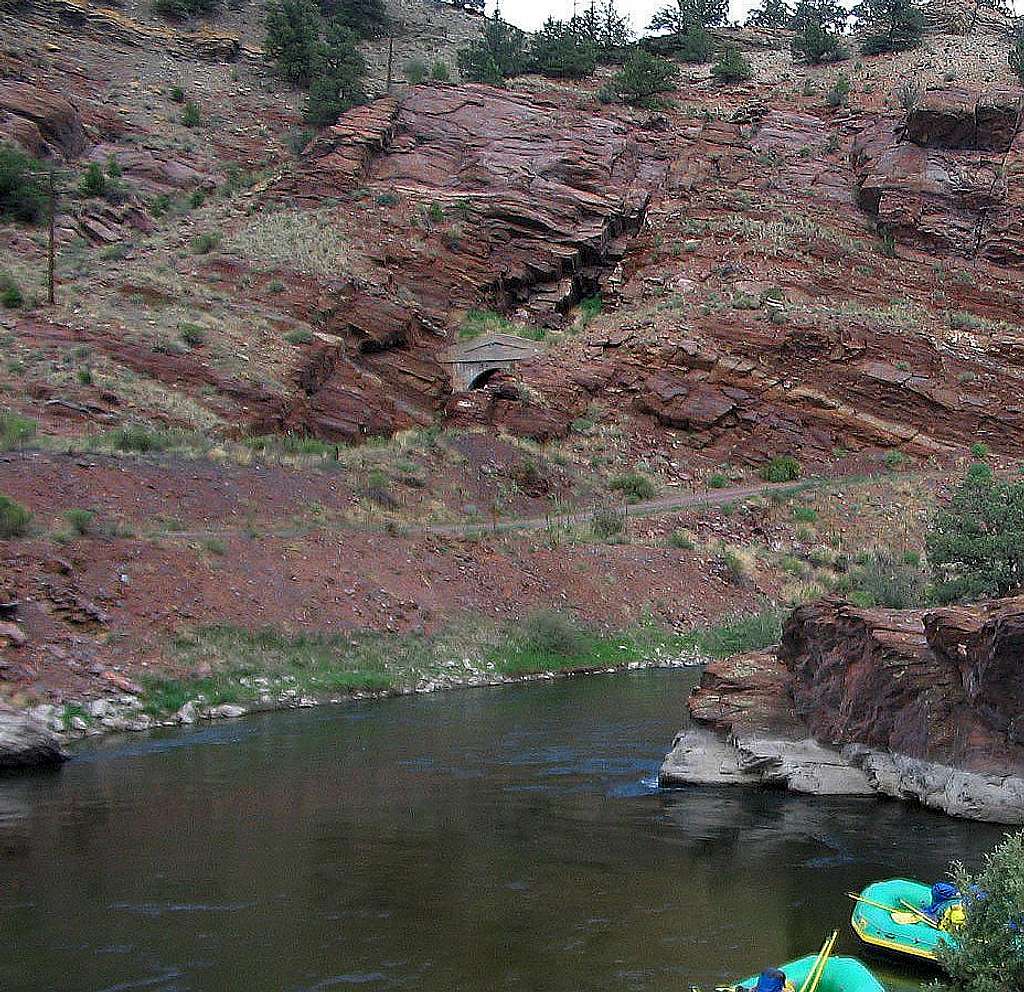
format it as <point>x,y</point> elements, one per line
<point>731,66</point>
<point>976,542</point>
<point>114,169</point>
<point>203,244</point>
<point>782,468</point>
<point>137,438</point>
<point>180,10</point>
<point>547,632</point>
<point>682,539</point>
<point>439,72</point>
<point>643,78</point>
<point>895,459</point>
<point>718,480</point>
<point>986,956</point>
<point>634,486</point>
<point>980,450</point>
<point>93,181</point>
<point>14,518</point>
<point>607,522</point>
<point>275,286</point>
<point>79,520</point>
<point>387,200</point>
<point>21,194</point>
<point>11,296</point>
<point>805,514</point>
<point>190,116</point>
<point>839,94</point>
<point>885,578</point>
<point>695,46</point>
<point>416,72</point>
<point>590,308</point>
<point>177,94</point>
<point>192,334</point>
<point>299,336</point>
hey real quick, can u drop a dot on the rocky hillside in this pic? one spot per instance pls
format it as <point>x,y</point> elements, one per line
<point>244,374</point>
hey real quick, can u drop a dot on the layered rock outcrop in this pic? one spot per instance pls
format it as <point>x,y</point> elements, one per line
<point>509,201</point>
<point>909,704</point>
<point>945,177</point>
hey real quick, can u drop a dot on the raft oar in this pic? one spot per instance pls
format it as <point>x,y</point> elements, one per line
<point>898,916</point>
<point>923,917</point>
<point>818,968</point>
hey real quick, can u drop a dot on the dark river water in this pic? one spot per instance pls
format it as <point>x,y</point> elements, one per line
<point>508,839</point>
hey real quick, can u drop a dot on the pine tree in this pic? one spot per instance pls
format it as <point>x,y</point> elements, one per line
<point>818,24</point>
<point>499,54</point>
<point>1015,58</point>
<point>644,77</point>
<point>337,75</point>
<point>889,25</point>
<point>293,35</point>
<point>684,16</point>
<point>563,49</point>
<point>367,18</point>
<point>771,14</point>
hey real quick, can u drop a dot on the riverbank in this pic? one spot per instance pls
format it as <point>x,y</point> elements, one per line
<point>226,672</point>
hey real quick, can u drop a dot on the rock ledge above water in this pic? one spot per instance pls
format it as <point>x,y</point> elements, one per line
<point>919,705</point>
<point>26,742</point>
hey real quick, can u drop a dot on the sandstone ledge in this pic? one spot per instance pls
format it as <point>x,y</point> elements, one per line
<point>915,705</point>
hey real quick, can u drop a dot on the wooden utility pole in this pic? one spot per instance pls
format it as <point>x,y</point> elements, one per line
<point>51,260</point>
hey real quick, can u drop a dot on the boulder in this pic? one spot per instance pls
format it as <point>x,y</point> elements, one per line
<point>26,742</point>
<point>960,118</point>
<point>44,123</point>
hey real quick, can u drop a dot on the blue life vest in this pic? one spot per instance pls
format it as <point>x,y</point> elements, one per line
<point>770,980</point>
<point>944,895</point>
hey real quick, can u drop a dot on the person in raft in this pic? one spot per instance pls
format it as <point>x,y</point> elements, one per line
<point>770,980</point>
<point>946,907</point>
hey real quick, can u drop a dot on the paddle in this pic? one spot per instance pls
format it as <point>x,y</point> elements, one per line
<point>818,968</point>
<point>924,918</point>
<point>898,916</point>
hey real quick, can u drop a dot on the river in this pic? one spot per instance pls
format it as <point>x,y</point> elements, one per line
<point>491,839</point>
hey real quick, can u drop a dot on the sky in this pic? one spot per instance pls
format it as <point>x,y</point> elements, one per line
<point>531,14</point>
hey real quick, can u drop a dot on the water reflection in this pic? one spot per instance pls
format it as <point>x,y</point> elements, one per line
<point>478,840</point>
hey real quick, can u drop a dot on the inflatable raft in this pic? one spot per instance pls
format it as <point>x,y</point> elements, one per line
<point>885,917</point>
<point>839,975</point>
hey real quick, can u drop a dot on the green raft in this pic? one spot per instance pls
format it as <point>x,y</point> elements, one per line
<point>894,930</point>
<point>840,975</point>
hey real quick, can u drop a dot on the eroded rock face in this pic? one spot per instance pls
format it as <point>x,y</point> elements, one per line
<point>26,742</point>
<point>533,200</point>
<point>910,704</point>
<point>44,123</point>
<point>945,177</point>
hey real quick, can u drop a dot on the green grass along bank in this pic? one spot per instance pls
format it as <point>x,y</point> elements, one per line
<point>236,670</point>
